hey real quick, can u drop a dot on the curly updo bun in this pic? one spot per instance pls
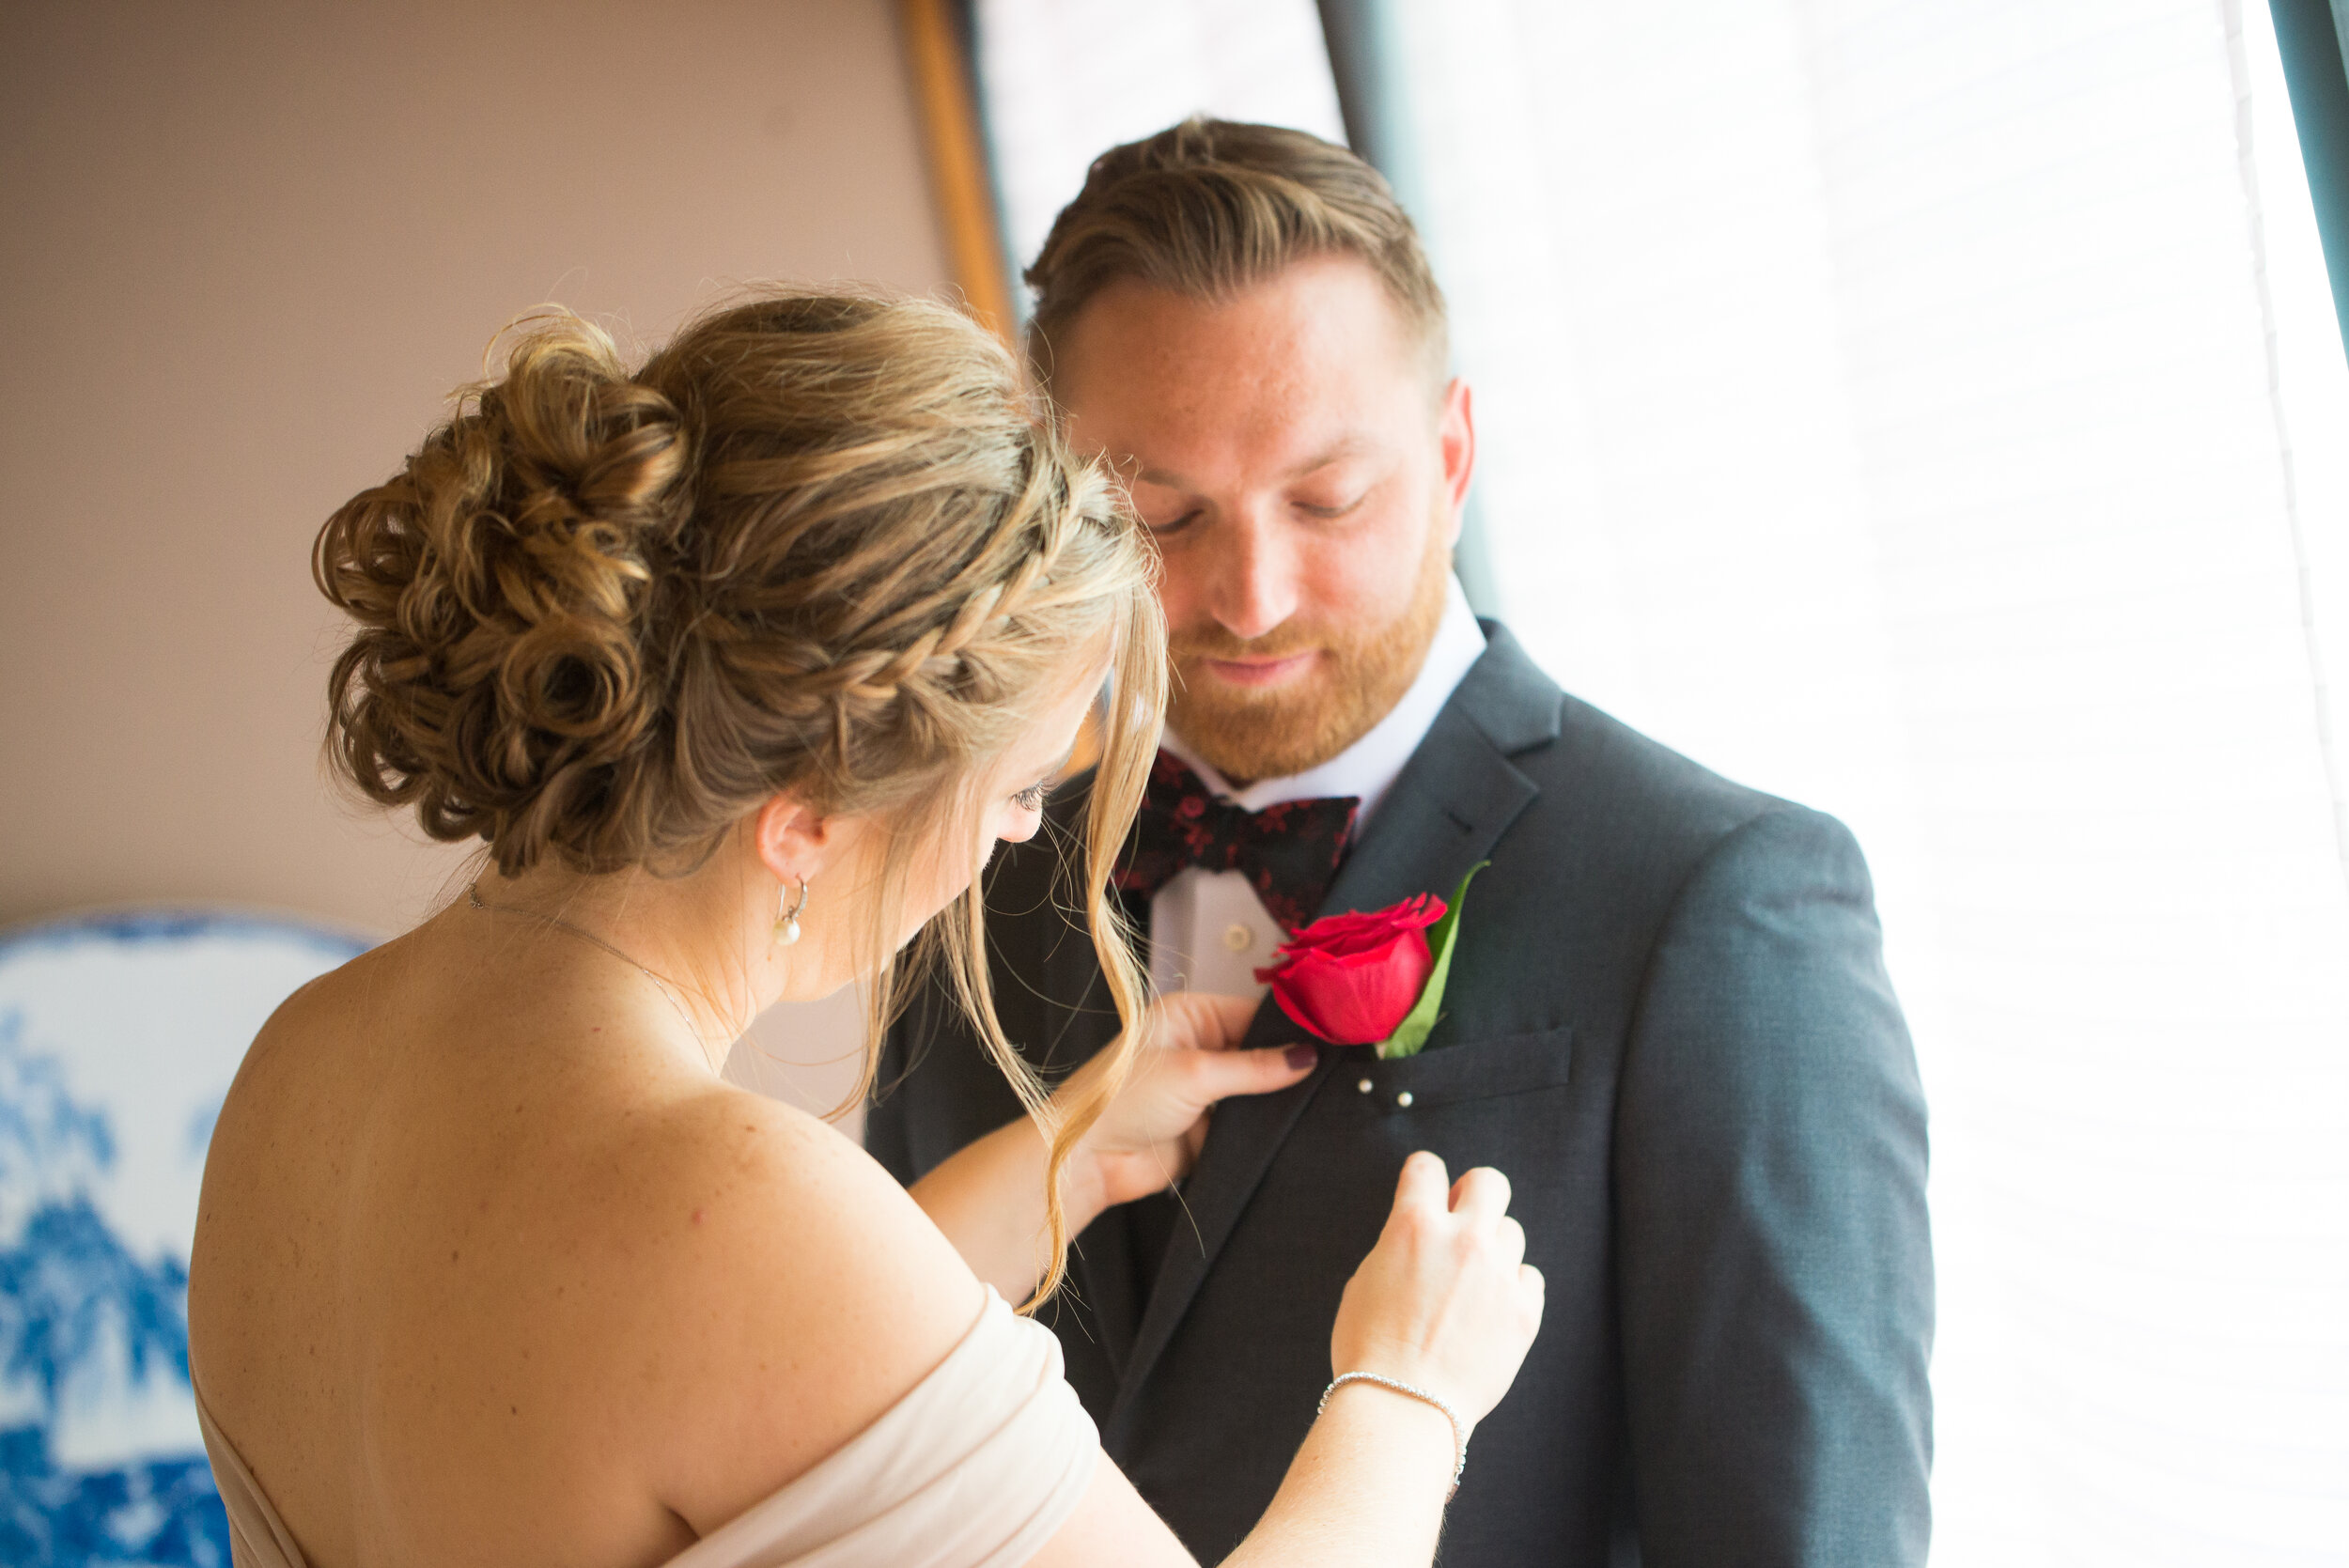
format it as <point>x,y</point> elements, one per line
<point>820,543</point>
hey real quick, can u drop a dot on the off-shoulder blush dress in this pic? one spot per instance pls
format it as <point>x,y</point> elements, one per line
<point>975,1467</point>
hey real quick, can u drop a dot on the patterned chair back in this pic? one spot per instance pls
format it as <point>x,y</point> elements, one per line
<point>120,1033</point>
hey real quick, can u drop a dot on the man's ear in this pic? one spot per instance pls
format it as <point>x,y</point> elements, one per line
<point>1455,435</point>
<point>792,841</point>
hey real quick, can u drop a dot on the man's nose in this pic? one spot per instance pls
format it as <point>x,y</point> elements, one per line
<point>1254,574</point>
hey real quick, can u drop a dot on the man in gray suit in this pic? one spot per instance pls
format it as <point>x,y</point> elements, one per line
<point>1668,1019</point>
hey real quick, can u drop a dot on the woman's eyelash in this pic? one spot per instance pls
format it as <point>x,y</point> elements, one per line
<point>1031,798</point>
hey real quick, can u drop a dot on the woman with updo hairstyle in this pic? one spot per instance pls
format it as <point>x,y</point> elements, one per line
<point>738,664</point>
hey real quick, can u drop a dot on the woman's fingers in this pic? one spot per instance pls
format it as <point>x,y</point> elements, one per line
<point>1422,1183</point>
<point>1481,1195</point>
<point>1511,1239</point>
<point>1201,1020</point>
<point>1233,1015</point>
<point>1217,1075</point>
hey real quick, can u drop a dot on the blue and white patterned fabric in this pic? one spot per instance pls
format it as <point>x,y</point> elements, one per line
<point>118,1036</point>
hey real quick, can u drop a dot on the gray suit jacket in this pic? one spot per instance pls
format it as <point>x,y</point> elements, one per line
<point>1668,1022</point>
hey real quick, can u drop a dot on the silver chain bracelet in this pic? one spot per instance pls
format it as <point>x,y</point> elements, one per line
<point>1459,1431</point>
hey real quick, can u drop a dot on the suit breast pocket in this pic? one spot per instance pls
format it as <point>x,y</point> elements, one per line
<point>1471,1073</point>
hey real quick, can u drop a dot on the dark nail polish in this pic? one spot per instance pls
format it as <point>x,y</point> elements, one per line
<point>1302,1056</point>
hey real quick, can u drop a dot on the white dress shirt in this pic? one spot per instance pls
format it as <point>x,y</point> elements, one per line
<point>1208,930</point>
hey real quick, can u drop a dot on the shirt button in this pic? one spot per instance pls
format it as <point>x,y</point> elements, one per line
<point>1404,1099</point>
<point>1366,1086</point>
<point>1238,938</point>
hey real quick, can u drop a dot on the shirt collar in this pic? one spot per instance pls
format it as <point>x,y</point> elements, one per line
<point>1368,769</point>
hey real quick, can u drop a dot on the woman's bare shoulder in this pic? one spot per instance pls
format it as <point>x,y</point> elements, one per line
<point>786,1291</point>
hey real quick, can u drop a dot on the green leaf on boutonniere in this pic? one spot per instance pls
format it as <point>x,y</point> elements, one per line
<point>1420,1021</point>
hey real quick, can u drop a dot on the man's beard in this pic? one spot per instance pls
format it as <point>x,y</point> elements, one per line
<point>1247,734</point>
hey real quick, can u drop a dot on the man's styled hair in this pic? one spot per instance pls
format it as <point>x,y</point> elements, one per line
<point>1209,207</point>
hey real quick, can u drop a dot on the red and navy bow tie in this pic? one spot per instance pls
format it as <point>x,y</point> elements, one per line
<point>1289,852</point>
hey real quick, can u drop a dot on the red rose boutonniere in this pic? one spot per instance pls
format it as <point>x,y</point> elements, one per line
<point>1374,978</point>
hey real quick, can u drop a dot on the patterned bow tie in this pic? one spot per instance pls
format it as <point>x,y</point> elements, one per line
<point>1289,852</point>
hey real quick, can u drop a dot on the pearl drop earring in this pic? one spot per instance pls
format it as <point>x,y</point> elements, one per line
<point>787,920</point>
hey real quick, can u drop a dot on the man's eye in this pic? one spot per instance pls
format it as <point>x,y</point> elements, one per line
<point>1173,525</point>
<point>1330,509</point>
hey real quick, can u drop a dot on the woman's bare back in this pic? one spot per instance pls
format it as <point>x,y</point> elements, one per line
<point>486,1270</point>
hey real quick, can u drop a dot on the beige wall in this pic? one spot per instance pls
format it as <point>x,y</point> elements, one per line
<point>247,251</point>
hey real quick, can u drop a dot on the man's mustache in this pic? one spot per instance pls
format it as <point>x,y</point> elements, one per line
<point>1215,642</point>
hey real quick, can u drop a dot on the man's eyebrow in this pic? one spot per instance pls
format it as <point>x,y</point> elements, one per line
<point>1336,452</point>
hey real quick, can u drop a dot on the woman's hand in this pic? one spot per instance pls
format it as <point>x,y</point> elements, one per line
<point>1446,1301</point>
<point>1151,1133</point>
<point>989,1197</point>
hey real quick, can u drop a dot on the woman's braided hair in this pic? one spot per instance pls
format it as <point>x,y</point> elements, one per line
<point>821,543</point>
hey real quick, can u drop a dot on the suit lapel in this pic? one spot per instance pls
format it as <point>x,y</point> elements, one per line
<point>1453,800</point>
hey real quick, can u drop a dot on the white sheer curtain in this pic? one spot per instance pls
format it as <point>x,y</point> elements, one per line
<point>1932,410</point>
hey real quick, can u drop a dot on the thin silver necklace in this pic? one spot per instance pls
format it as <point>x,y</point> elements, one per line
<point>670,989</point>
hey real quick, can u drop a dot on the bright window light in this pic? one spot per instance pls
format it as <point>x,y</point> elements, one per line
<point>1933,410</point>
